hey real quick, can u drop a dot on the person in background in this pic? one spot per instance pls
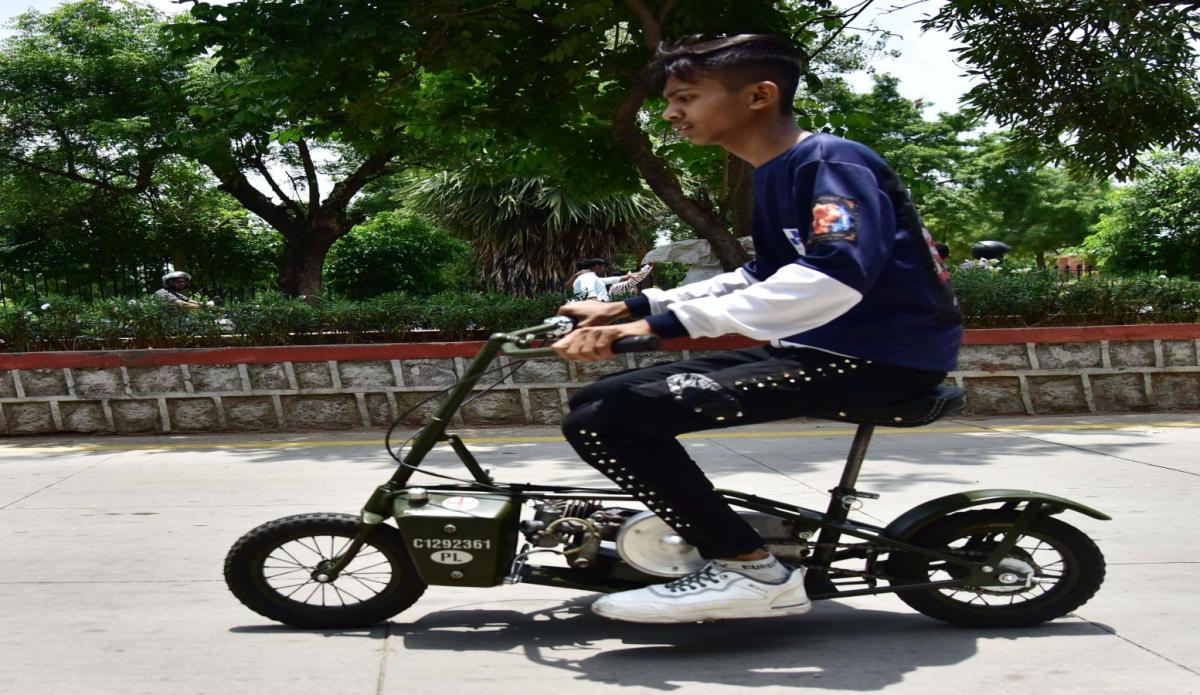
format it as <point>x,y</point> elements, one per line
<point>174,290</point>
<point>628,288</point>
<point>590,283</point>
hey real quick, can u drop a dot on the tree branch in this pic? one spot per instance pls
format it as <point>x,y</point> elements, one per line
<point>374,166</point>
<point>834,35</point>
<point>235,183</point>
<point>651,27</point>
<point>663,11</point>
<point>257,161</point>
<point>142,179</point>
<point>310,172</point>
<point>653,169</point>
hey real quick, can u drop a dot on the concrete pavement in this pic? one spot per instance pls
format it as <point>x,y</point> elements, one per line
<point>113,547</point>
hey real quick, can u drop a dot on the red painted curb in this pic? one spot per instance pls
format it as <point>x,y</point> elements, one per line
<point>405,351</point>
<point>1077,334</point>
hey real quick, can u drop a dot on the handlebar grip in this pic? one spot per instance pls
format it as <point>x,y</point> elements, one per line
<point>637,343</point>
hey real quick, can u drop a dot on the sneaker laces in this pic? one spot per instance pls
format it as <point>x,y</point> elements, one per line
<point>696,580</point>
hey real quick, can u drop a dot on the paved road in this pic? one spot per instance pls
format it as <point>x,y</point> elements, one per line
<point>112,553</point>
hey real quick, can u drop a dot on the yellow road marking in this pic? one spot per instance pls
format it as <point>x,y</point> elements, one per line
<point>15,447</point>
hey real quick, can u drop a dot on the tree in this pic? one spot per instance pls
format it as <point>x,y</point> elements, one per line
<point>527,234</point>
<point>1153,225</point>
<point>85,95</point>
<point>93,95</point>
<point>925,153</point>
<point>998,192</point>
<point>534,88</point>
<point>393,252</point>
<point>1092,82</point>
<point>76,238</point>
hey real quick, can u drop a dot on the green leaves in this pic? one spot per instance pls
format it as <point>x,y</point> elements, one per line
<point>1153,225</point>
<point>1021,297</point>
<point>528,233</point>
<point>394,252</point>
<point>1094,83</point>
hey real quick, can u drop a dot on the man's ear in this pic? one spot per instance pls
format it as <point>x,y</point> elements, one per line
<point>764,94</point>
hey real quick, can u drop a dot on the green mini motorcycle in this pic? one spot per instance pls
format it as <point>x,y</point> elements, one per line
<point>983,558</point>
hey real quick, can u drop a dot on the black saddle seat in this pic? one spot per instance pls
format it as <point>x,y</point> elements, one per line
<point>941,402</point>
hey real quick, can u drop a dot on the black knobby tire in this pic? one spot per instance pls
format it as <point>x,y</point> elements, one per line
<point>1067,566</point>
<point>270,569</point>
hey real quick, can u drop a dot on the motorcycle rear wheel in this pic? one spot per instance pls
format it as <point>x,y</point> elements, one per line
<point>1063,568</point>
<point>274,571</point>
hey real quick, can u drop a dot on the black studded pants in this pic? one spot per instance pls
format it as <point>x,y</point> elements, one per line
<point>625,424</point>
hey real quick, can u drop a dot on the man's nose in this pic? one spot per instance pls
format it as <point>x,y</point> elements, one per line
<point>672,112</point>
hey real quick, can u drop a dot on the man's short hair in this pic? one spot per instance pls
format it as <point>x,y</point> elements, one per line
<point>589,263</point>
<point>734,61</point>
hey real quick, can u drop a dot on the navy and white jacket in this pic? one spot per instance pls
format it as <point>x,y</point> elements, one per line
<point>843,264</point>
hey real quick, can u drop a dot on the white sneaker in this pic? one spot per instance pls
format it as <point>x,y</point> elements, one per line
<point>712,593</point>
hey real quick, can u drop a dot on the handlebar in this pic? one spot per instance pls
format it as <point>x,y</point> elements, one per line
<point>556,327</point>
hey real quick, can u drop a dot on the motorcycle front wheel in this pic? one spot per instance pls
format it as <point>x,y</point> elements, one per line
<point>1055,569</point>
<point>276,571</point>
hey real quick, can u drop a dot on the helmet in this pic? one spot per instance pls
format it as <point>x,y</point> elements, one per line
<point>166,279</point>
<point>990,249</point>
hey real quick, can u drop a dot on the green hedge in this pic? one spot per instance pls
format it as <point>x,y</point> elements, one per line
<point>990,298</point>
<point>269,319</point>
<point>1024,298</point>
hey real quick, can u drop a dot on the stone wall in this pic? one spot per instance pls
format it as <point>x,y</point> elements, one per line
<point>1005,372</point>
<point>1080,377</point>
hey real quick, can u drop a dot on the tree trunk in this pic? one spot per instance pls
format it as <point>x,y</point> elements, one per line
<point>706,221</point>
<point>303,258</point>
<point>739,195</point>
<point>308,230</point>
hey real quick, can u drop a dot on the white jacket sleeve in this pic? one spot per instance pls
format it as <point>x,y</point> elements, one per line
<point>661,300</point>
<point>795,299</point>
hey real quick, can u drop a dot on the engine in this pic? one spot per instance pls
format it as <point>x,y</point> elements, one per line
<point>593,537</point>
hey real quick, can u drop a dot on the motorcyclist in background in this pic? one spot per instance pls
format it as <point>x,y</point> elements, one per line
<point>174,290</point>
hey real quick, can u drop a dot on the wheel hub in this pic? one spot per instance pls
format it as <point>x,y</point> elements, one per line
<point>321,573</point>
<point>1014,575</point>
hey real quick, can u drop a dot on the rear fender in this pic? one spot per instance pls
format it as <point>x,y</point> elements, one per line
<point>920,516</point>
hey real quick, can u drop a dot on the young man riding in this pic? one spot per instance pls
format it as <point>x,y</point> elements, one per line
<point>846,286</point>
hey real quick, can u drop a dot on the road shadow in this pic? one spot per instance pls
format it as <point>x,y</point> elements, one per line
<point>834,647</point>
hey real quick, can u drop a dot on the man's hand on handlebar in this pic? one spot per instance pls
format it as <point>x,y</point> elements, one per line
<point>594,313</point>
<point>594,343</point>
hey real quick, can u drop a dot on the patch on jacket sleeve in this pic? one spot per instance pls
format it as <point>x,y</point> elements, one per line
<point>834,219</point>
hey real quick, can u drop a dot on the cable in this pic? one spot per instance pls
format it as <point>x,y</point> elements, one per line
<point>397,455</point>
<point>399,418</point>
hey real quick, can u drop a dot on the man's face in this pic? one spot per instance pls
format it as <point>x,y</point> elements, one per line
<point>179,284</point>
<point>705,111</point>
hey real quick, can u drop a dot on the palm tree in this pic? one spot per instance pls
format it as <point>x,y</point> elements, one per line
<point>528,233</point>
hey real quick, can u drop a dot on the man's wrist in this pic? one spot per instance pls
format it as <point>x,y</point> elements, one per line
<point>618,310</point>
<point>638,305</point>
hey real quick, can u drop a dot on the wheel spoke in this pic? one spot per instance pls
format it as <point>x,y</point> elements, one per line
<point>377,564</point>
<point>289,575</point>
<point>314,548</point>
<point>282,574</point>
<point>293,557</point>
<point>368,587</point>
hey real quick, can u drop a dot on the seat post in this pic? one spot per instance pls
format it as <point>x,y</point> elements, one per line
<point>817,580</point>
<point>854,460</point>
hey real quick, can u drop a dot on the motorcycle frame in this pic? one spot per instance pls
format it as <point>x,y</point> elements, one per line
<point>833,523</point>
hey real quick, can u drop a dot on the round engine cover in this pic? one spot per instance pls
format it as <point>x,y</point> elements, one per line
<point>649,545</point>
